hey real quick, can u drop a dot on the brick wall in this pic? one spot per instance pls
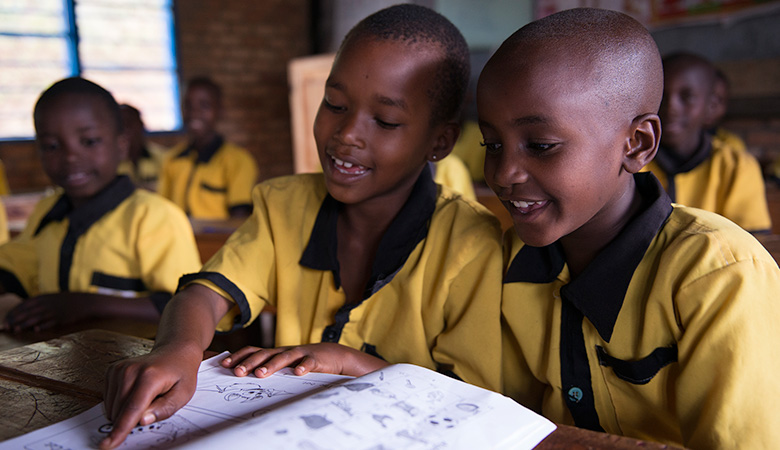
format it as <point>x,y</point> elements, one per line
<point>244,46</point>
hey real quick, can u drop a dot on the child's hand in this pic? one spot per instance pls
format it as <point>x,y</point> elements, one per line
<point>148,389</point>
<point>46,311</point>
<point>323,357</point>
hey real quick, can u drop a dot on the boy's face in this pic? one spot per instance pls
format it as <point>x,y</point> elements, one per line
<point>200,112</point>
<point>553,153</point>
<point>79,144</point>
<point>373,129</point>
<point>685,109</point>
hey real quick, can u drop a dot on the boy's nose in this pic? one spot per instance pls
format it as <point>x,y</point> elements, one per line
<point>350,131</point>
<point>509,169</point>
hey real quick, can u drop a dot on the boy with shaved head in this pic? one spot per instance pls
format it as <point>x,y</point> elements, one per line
<point>621,312</point>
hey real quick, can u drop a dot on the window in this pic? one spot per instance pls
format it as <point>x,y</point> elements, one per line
<point>125,46</point>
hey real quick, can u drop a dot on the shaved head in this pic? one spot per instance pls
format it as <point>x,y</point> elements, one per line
<point>603,51</point>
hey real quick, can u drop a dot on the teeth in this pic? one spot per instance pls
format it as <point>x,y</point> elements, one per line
<point>338,161</point>
<point>347,165</point>
<point>522,204</point>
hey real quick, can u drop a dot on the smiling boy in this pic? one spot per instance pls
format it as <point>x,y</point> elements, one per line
<point>370,254</point>
<point>97,247</point>
<point>621,312</point>
<point>207,176</point>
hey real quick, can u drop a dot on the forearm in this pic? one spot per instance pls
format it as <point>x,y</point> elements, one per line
<point>190,318</point>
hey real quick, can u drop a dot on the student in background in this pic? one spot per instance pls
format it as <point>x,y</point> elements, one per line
<point>720,101</point>
<point>207,176</point>
<point>4,235</point>
<point>370,254</point>
<point>622,312</point>
<point>98,247</point>
<point>144,158</point>
<point>696,169</point>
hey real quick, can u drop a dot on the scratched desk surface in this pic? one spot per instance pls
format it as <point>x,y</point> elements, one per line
<point>46,382</point>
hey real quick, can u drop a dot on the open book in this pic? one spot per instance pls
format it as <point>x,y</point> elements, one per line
<point>401,406</point>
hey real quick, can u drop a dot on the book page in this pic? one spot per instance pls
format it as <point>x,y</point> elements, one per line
<point>221,400</point>
<point>401,406</point>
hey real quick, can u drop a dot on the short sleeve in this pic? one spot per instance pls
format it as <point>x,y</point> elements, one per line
<point>242,176</point>
<point>745,202</point>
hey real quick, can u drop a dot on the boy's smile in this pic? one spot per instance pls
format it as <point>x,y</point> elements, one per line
<point>373,129</point>
<point>79,144</point>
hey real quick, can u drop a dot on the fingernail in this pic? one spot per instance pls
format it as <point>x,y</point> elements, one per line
<point>227,360</point>
<point>148,418</point>
<point>262,371</point>
<point>241,369</point>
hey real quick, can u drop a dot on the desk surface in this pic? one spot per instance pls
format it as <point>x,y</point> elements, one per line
<point>46,382</point>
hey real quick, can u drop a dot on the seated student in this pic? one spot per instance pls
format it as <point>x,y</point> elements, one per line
<point>207,176</point>
<point>718,108</point>
<point>695,169</point>
<point>144,158</point>
<point>622,312</point>
<point>371,253</point>
<point>97,247</point>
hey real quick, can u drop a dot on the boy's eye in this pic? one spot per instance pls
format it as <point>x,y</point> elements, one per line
<point>89,142</point>
<point>490,147</point>
<point>387,125</point>
<point>330,106</point>
<point>48,146</point>
<point>539,147</point>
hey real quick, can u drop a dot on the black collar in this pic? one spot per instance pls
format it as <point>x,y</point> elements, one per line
<point>83,217</point>
<point>207,153</point>
<point>406,230</point>
<point>598,292</point>
<point>672,165</point>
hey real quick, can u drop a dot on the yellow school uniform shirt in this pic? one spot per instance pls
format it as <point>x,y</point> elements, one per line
<point>451,172</point>
<point>469,150</point>
<point>207,186</point>
<point>721,178</point>
<point>146,171</point>
<point>434,293</point>
<point>125,242</point>
<point>4,235</point>
<point>670,334</point>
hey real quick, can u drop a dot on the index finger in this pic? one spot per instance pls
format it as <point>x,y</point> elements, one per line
<point>134,411</point>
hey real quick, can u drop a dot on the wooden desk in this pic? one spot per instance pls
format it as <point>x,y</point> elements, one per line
<point>46,382</point>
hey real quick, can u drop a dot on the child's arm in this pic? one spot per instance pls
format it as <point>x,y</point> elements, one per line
<point>152,387</point>
<point>48,310</point>
<point>322,357</point>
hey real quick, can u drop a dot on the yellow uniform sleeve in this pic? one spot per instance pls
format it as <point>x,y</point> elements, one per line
<point>166,246</point>
<point>242,174</point>
<point>744,199</point>
<point>727,357</point>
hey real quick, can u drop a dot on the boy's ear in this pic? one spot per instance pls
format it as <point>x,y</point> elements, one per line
<point>445,140</point>
<point>643,140</point>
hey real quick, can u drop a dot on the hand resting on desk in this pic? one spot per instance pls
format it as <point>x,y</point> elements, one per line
<point>323,357</point>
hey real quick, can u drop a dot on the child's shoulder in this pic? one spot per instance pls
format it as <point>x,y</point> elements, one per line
<point>708,241</point>
<point>457,212</point>
<point>143,202</point>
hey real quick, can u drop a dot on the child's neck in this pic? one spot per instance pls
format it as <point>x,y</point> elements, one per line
<point>360,229</point>
<point>583,245</point>
<point>202,143</point>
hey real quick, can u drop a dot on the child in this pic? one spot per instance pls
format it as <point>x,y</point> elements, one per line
<point>720,100</point>
<point>696,169</point>
<point>621,311</point>
<point>206,176</point>
<point>97,247</point>
<point>144,158</point>
<point>370,254</point>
